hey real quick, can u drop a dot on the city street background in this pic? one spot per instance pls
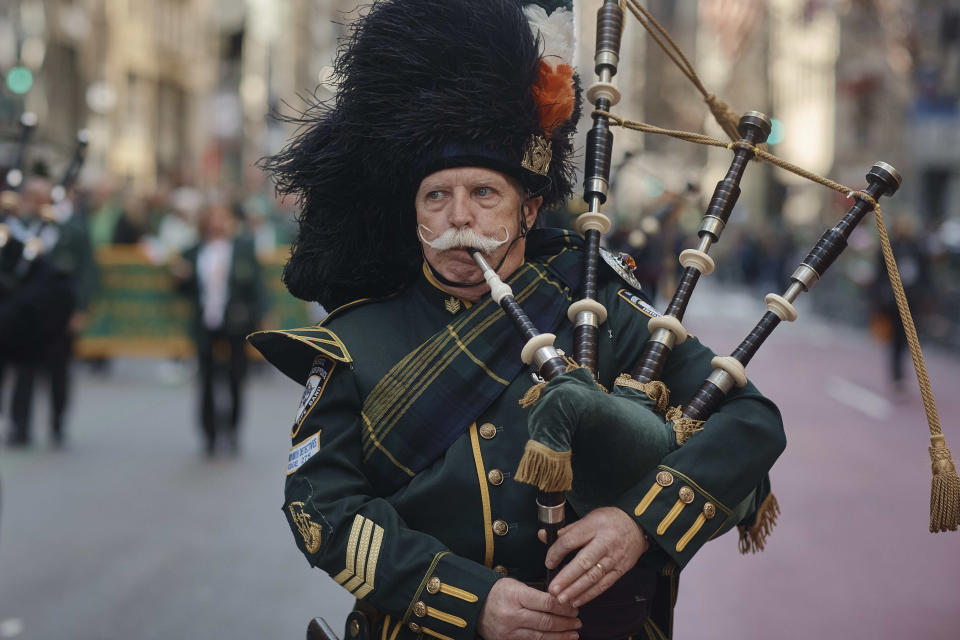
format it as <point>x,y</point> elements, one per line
<point>132,530</point>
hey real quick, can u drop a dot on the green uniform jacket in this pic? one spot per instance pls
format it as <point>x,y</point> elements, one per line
<point>428,553</point>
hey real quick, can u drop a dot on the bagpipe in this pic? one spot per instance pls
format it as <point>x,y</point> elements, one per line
<point>36,299</point>
<point>618,416</point>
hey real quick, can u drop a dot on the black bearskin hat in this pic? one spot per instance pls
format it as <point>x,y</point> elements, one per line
<point>421,85</point>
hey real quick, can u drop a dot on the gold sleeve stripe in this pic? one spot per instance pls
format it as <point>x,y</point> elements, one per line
<point>484,498</point>
<point>447,617</point>
<point>342,577</point>
<point>435,634</point>
<point>647,499</point>
<point>386,627</point>
<point>466,596</point>
<point>372,559</point>
<point>362,550</point>
<point>396,630</point>
<point>670,517</point>
<point>692,531</point>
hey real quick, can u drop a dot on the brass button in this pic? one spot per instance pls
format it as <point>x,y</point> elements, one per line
<point>495,477</point>
<point>709,510</point>
<point>686,495</point>
<point>354,628</point>
<point>664,478</point>
<point>487,431</point>
<point>433,584</point>
<point>414,627</point>
<point>502,570</point>
<point>420,609</point>
<point>500,527</point>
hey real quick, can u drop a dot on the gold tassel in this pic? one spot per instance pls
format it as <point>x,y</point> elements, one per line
<point>945,490</point>
<point>754,538</point>
<point>545,468</point>
<point>683,427</point>
<point>532,395</point>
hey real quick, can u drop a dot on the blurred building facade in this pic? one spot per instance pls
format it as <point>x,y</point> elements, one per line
<point>175,91</point>
<point>182,91</point>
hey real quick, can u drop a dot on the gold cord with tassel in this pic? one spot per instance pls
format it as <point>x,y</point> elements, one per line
<point>656,390</point>
<point>683,427</point>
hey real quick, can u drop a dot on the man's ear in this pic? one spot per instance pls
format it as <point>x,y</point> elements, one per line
<point>531,207</point>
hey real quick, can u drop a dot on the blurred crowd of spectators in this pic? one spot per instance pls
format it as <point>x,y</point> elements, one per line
<point>165,222</point>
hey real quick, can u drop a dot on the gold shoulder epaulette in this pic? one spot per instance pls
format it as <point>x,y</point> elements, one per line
<point>292,351</point>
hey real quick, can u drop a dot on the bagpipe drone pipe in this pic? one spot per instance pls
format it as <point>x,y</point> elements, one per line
<point>622,431</point>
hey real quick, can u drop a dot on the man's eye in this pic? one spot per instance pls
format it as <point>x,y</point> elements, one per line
<point>483,192</point>
<point>434,195</point>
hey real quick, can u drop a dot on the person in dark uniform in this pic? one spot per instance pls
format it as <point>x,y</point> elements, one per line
<point>400,480</point>
<point>223,279</point>
<point>37,299</point>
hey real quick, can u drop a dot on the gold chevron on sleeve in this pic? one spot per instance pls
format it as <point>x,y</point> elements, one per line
<point>363,552</point>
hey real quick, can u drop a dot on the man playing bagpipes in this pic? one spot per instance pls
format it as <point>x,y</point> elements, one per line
<point>452,130</point>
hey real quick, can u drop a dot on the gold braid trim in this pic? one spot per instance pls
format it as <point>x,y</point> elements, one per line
<point>754,539</point>
<point>655,389</point>
<point>545,468</point>
<point>945,490</point>
<point>683,427</point>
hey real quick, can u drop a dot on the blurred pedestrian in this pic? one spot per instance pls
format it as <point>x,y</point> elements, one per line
<point>222,277</point>
<point>914,266</point>
<point>38,302</point>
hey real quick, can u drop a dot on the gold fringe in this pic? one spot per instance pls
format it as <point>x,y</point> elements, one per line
<point>683,427</point>
<point>532,395</point>
<point>754,539</point>
<point>546,469</point>
<point>655,389</point>
<point>945,490</point>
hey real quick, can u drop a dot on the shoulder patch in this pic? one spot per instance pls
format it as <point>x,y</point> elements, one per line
<point>618,262</point>
<point>316,383</point>
<point>639,303</point>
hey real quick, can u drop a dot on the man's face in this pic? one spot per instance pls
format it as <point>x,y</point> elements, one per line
<point>482,200</point>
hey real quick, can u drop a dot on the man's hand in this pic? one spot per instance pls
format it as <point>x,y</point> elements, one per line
<point>514,611</point>
<point>610,543</point>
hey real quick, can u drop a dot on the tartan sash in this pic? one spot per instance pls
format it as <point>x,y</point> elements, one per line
<point>435,392</point>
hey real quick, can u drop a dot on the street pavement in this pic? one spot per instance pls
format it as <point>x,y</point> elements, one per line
<point>131,533</point>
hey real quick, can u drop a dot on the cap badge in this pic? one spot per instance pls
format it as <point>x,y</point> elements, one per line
<point>537,155</point>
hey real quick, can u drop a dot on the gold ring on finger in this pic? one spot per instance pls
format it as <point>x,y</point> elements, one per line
<point>600,566</point>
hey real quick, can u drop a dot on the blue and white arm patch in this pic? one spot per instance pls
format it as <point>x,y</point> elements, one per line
<point>303,452</point>
<point>316,383</point>
<point>639,303</point>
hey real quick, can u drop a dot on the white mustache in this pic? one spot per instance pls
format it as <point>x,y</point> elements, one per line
<point>463,238</point>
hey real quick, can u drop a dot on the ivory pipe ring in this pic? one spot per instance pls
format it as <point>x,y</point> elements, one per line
<point>781,307</point>
<point>592,220</point>
<point>697,259</point>
<point>587,304</point>
<point>733,367</point>
<point>535,344</point>
<point>669,323</point>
